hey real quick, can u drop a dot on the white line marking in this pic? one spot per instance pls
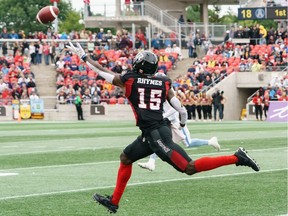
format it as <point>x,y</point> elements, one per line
<point>226,149</point>
<point>38,147</point>
<point>8,174</point>
<point>138,184</point>
<point>67,147</point>
<point>108,162</point>
<point>15,146</point>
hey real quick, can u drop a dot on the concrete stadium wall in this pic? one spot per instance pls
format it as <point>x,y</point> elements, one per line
<point>68,113</point>
<point>237,88</point>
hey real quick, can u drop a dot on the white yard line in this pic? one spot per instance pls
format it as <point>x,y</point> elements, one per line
<point>8,174</point>
<point>10,146</point>
<point>137,184</point>
<point>117,161</point>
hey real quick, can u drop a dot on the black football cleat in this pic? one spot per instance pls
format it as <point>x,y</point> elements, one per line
<point>106,202</point>
<point>245,160</point>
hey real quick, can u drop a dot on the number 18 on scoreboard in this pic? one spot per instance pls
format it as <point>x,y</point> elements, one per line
<point>262,13</point>
<point>251,13</point>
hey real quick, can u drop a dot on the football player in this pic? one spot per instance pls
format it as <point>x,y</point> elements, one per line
<point>178,134</point>
<point>147,94</point>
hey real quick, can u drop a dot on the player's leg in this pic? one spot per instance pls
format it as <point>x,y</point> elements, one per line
<point>198,142</point>
<point>240,158</point>
<point>131,153</point>
<point>160,141</point>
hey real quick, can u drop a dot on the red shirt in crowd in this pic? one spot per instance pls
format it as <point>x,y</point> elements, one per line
<point>257,100</point>
<point>283,98</point>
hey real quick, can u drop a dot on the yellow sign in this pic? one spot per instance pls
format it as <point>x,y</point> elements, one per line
<point>25,110</point>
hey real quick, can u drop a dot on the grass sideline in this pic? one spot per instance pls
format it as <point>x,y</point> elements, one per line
<point>60,165</point>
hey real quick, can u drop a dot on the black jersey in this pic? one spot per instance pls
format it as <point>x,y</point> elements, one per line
<point>146,96</point>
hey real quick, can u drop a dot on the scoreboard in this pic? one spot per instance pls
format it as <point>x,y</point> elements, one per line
<point>262,13</point>
<point>251,13</point>
<point>277,13</point>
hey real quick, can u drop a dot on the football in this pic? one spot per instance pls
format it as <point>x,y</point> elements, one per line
<point>47,14</point>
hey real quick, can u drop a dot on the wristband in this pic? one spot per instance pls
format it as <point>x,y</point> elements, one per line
<point>84,57</point>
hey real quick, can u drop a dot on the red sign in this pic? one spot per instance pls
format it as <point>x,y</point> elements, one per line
<point>52,1</point>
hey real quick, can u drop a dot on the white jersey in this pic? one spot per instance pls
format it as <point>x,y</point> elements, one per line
<point>173,116</point>
<point>170,113</point>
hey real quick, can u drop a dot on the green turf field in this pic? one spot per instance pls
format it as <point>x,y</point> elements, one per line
<point>55,168</point>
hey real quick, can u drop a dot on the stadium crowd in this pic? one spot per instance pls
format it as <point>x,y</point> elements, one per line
<point>267,51</point>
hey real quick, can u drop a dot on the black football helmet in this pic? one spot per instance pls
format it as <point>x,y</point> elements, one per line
<point>145,63</point>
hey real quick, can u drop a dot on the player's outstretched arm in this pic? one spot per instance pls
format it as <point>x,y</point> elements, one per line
<point>107,74</point>
<point>176,104</point>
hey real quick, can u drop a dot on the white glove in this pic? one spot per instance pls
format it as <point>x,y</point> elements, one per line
<point>77,50</point>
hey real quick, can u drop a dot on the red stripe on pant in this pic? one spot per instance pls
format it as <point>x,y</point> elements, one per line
<point>179,160</point>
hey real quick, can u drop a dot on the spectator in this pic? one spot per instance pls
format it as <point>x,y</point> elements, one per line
<point>239,33</point>
<point>197,45</point>
<point>210,51</point>
<point>142,38</point>
<point>95,98</point>
<point>46,52</point>
<point>62,98</point>
<point>155,41</point>
<point>262,34</point>
<point>86,97</point>
<point>168,49</point>
<point>227,36</point>
<point>254,34</point>
<point>266,102</point>
<point>162,67</point>
<point>257,100</point>
<point>216,101</point>
<point>242,65</point>
<point>207,81</point>
<point>33,96</point>
<point>181,19</point>
<point>100,34</point>
<point>31,83</point>
<point>4,49</point>
<point>256,67</point>
<point>117,68</point>
<point>4,34</point>
<point>191,46</point>
<point>206,43</point>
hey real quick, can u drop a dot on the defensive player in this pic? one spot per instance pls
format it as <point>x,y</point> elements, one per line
<point>146,95</point>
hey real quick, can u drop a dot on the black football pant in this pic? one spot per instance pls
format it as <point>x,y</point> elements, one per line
<point>159,141</point>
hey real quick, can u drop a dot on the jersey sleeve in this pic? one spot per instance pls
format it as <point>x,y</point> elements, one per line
<point>125,77</point>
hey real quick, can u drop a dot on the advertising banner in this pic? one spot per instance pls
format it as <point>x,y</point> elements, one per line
<point>278,111</point>
<point>15,109</point>
<point>37,109</point>
<point>25,109</point>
